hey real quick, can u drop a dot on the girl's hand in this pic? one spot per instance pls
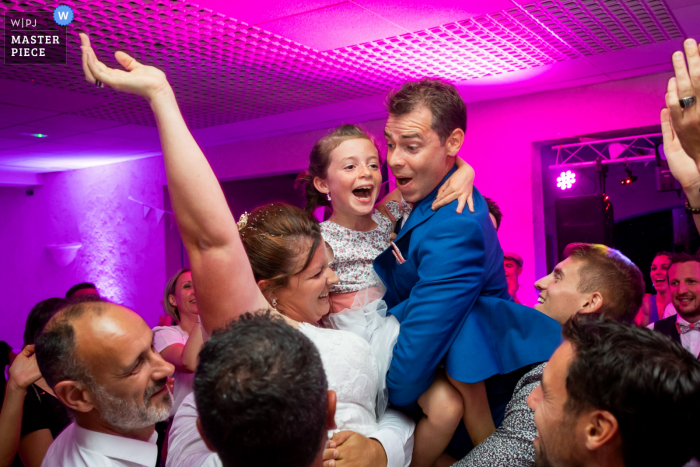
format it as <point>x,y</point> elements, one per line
<point>24,371</point>
<point>458,187</point>
<point>142,80</point>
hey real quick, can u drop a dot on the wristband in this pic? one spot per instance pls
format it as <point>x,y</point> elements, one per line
<point>691,209</point>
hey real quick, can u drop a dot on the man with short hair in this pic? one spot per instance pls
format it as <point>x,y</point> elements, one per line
<point>98,358</point>
<point>616,395</point>
<point>444,276</point>
<point>593,279</point>
<point>513,265</point>
<point>684,285</point>
<point>276,407</point>
<point>81,290</point>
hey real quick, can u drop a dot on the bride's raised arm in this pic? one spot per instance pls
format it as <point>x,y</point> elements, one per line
<point>220,268</point>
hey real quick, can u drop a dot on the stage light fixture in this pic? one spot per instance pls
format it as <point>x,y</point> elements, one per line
<point>630,178</point>
<point>566,180</point>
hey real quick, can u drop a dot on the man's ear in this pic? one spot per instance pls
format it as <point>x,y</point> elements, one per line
<point>171,300</point>
<point>321,185</point>
<point>204,438</point>
<point>601,429</point>
<point>330,411</point>
<point>74,396</point>
<point>594,303</point>
<point>454,142</point>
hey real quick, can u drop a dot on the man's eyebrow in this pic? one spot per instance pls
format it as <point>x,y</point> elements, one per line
<point>387,134</point>
<point>410,135</point>
<point>559,271</point>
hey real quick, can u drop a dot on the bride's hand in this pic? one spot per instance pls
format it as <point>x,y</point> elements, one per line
<point>142,80</point>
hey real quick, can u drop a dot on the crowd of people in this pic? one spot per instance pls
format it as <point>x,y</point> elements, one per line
<point>388,335</point>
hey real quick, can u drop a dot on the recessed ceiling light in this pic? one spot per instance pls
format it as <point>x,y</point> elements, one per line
<point>36,135</point>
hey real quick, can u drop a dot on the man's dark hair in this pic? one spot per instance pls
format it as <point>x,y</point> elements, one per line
<point>495,211</point>
<point>39,316</point>
<point>611,273</point>
<point>262,394</point>
<point>682,258</point>
<point>642,378</point>
<point>440,97</point>
<point>81,286</point>
<point>55,347</point>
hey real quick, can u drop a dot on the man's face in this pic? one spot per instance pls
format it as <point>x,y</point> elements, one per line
<point>559,296</point>
<point>512,269</point>
<point>417,158</point>
<point>117,348</point>
<point>684,284</point>
<point>555,444</point>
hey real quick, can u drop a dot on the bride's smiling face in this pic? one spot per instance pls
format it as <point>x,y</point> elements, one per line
<point>305,297</point>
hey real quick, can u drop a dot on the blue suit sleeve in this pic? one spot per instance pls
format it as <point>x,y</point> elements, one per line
<point>450,262</point>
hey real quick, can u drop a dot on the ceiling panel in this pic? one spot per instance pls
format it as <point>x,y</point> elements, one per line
<point>413,15</point>
<point>262,11</point>
<point>75,122</point>
<point>57,100</point>
<point>337,26</point>
<point>15,114</point>
<point>24,132</point>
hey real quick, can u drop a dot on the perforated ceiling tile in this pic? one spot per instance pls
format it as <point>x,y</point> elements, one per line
<point>225,71</point>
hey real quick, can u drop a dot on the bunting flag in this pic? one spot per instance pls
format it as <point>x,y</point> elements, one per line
<point>159,212</point>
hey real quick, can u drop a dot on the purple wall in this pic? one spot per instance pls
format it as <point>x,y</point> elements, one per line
<point>122,251</point>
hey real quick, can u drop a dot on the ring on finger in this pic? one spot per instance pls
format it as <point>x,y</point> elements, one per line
<point>687,101</point>
<point>99,83</point>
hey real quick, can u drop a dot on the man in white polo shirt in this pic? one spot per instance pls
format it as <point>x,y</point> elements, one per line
<point>99,359</point>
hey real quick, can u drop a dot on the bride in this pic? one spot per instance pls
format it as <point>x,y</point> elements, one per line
<point>277,260</point>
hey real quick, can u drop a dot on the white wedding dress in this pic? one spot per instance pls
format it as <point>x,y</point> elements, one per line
<point>351,371</point>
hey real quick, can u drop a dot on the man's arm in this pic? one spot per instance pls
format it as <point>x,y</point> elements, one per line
<point>450,266</point>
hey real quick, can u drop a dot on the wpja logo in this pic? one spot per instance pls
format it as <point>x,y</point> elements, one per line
<point>37,37</point>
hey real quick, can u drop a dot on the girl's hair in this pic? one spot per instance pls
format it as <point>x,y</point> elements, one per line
<point>275,237</point>
<point>171,310</point>
<point>320,159</point>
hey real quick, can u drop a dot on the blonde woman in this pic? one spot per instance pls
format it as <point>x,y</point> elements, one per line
<point>179,344</point>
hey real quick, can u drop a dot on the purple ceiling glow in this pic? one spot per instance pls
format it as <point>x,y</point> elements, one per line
<point>227,71</point>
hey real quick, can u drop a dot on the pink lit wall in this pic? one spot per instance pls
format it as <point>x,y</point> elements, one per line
<point>503,143</point>
<point>122,251</point>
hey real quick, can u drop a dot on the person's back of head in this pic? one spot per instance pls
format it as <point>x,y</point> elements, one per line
<point>262,395</point>
<point>613,275</point>
<point>440,97</point>
<point>495,212</point>
<point>650,384</point>
<point>78,290</point>
<point>39,316</point>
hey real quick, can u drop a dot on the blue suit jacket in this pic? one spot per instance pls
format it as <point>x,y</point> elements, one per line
<point>451,260</point>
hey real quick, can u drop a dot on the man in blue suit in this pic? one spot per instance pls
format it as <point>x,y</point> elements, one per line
<point>446,284</point>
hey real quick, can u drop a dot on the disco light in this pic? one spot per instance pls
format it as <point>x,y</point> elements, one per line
<point>630,178</point>
<point>566,180</point>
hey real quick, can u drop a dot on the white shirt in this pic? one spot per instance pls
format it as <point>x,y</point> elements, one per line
<point>187,449</point>
<point>163,337</point>
<point>78,447</point>
<point>690,340</point>
<point>670,310</point>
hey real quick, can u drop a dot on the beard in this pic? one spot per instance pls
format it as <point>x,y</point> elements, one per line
<point>541,459</point>
<point>128,414</point>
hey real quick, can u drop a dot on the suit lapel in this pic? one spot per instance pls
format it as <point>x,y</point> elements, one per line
<point>423,210</point>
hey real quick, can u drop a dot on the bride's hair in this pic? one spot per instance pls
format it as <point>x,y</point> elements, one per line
<point>275,237</point>
<point>320,159</point>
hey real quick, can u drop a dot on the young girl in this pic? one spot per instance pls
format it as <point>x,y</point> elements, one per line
<point>344,173</point>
